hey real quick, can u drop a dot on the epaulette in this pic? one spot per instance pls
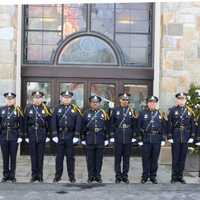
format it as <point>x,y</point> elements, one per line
<point>190,110</point>
<point>46,110</point>
<point>163,115</point>
<point>19,111</point>
<point>77,109</point>
<point>105,114</point>
<point>134,114</point>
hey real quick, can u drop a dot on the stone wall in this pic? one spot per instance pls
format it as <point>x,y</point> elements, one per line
<point>180,49</point>
<point>8,37</point>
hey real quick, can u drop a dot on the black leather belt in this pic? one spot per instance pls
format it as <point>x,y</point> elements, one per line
<point>124,126</point>
<point>154,132</point>
<point>65,129</point>
<point>180,127</point>
<point>96,130</point>
<point>9,128</point>
<point>37,126</point>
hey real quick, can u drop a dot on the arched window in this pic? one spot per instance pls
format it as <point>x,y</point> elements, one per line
<point>87,50</point>
<point>127,25</point>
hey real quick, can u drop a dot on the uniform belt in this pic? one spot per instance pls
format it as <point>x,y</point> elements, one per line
<point>154,132</point>
<point>9,128</point>
<point>96,130</point>
<point>124,126</point>
<point>180,127</point>
<point>37,126</point>
<point>65,129</point>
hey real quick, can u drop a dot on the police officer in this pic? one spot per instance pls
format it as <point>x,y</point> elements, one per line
<point>11,132</point>
<point>151,127</point>
<point>37,132</point>
<point>122,125</point>
<point>181,132</point>
<point>66,125</point>
<point>95,134</point>
<point>197,141</point>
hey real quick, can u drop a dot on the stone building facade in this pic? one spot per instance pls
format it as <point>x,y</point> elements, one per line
<point>180,49</point>
<point>176,53</point>
<point>8,48</point>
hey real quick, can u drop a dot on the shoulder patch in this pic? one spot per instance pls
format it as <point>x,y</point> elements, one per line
<point>77,109</point>
<point>105,114</point>
<point>19,111</point>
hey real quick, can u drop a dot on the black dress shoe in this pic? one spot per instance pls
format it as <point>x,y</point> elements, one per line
<point>72,180</point>
<point>56,179</point>
<point>144,180</point>
<point>181,180</point>
<point>118,180</point>
<point>173,181</point>
<point>98,180</point>
<point>91,179</point>
<point>125,180</point>
<point>40,179</point>
<point>154,180</point>
<point>4,179</point>
<point>13,180</point>
<point>33,179</point>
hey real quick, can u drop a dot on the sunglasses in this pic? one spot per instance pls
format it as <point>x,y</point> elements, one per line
<point>124,99</point>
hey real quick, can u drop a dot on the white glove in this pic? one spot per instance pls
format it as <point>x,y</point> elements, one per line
<point>171,141</point>
<point>106,142</point>
<point>83,142</point>
<point>112,140</point>
<point>55,139</point>
<point>133,140</point>
<point>75,140</point>
<point>198,144</point>
<point>163,143</point>
<point>140,143</point>
<point>191,140</point>
<point>19,140</point>
<point>27,140</point>
<point>47,140</point>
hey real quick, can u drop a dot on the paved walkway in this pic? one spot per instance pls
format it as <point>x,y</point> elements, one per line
<point>38,191</point>
<point>23,173</point>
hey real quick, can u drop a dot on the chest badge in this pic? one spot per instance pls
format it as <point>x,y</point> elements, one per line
<point>118,113</point>
<point>43,112</point>
<point>72,110</point>
<point>102,115</point>
<point>189,113</point>
<point>15,113</point>
<point>30,112</point>
<point>59,110</point>
<point>3,112</point>
<point>130,113</point>
<point>176,113</point>
<point>145,116</point>
<point>89,115</point>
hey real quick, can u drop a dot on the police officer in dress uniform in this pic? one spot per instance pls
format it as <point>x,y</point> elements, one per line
<point>95,135</point>
<point>11,132</point>
<point>37,133</point>
<point>151,127</point>
<point>66,125</point>
<point>122,130</point>
<point>197,141</point>
<point>181,131</point>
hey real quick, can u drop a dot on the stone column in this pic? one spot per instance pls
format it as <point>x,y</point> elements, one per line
<point>8,36</point>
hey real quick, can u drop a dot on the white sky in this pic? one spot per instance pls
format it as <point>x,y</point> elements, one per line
<point>7,2</point>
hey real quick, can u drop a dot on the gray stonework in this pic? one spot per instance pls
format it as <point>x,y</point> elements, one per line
<point>180,57</point>
<point>8,37</point>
